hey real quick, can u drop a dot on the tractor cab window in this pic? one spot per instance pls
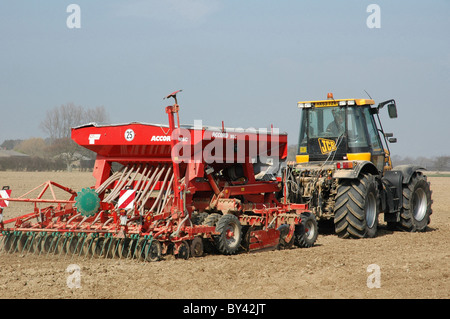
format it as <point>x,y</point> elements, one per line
<point>321,122</point>
<point>375,141</point>
<point>336,125</point>
<point>357,137</point>
<point>303,138</point>
<point>325,122</point>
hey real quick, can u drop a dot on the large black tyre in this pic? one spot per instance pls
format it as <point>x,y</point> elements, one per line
<point>306,232</point>
<point>416,210</point>
<point>357,207</point>
<point>230,229</point>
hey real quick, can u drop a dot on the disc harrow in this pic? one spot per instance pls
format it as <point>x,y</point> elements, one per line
<point>154,196</point>
<point>82,245</point>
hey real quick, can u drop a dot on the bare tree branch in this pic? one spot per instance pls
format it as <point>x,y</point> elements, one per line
<point>59,120</point>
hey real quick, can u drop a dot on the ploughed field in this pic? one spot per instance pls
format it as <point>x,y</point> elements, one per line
<point>392,265</point>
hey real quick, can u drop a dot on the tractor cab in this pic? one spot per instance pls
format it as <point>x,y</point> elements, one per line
<point>343,130</point>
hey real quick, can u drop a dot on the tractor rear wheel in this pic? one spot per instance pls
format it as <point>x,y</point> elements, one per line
<point>230,229</point>
<point>416,210</point>
<point>356,208</point>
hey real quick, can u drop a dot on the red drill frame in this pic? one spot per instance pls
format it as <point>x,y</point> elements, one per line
<point>174,186</point>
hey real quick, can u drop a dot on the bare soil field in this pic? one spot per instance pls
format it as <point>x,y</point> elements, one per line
<point>411,265</point>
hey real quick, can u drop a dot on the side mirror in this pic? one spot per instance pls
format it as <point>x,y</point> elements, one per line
<point>392,140</point>
<point>392,110</point>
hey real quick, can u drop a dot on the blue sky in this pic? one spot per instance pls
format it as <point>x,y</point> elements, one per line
<point>245,62</point>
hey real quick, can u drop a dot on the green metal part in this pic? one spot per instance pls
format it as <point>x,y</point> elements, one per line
<point>87,202</point>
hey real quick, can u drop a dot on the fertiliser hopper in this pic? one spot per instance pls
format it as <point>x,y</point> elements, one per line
<point>168,189</point>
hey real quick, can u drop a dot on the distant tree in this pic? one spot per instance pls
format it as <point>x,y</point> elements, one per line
<point>10,144</point>
<point>58,123</point>
<point>33,146</point>
<point>59,120</point>
<point>65,150</point>
<point>441,163</point>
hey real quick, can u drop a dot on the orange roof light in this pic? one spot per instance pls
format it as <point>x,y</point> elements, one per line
<point>330,96</point>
